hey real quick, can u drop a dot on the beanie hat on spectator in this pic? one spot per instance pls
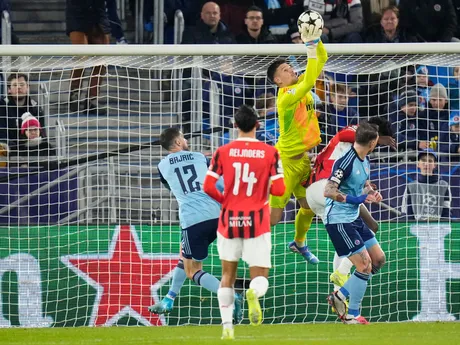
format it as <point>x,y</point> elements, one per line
<point>293,32</point>
<point>407,97</point>
<point>28,120</point>
<point>421,70</point>
<point>454,118</point>
<point>428,152</point>
<point>438,91</point>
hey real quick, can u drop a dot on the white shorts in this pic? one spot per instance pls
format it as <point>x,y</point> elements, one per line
<point>256,252</point>
<point>315,197</point>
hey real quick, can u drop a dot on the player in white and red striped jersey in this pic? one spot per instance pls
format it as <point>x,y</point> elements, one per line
<point>251,171</point>
<point>322,170</point>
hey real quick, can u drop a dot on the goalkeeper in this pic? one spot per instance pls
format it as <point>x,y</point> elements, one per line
<point>299,133</point>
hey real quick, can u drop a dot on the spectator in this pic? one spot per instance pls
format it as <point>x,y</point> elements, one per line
<point>438,113</point>
<point>256,32</point>
<point>372,10</point>
<point>450,139</point>
<point>454,89</point>
<point>409,124</point>
<point>388,30</point>
<point>343,22</point>
<point>87,23</point>
<point>293,35</point>
<point>338,114</point>
<point>428,197</point>
<point>433,20</point>
<point>12,107</point>
<point>422,86</point>
<point>31,143</point>
<point>5,5</point>
<point>115,22</point>
<point>268,122</point>
<point>210,29</point>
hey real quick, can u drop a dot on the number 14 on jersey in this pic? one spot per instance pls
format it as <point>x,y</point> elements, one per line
<point>242,174</point>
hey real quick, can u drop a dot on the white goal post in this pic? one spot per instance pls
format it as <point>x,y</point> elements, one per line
<point>91,236</point>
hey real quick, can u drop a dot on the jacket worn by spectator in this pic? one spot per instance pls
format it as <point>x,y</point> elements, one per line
<point>336,120</point>
<point>268,129</point>
<point>410,130</point>
<point>433,20</point>
<point>427,198</point>
<point>454,94</point>
<point>450,143</point>
<point>201,34</point>
<point>10,118</point>
<point>265,37</point>
<point>38,148</point>
<point>375,34</point>
<point>450,139</point>
<point>343,18</point>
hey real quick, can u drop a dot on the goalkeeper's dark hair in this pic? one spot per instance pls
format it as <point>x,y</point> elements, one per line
<point>168,136</point>
<point>246,118</point>
<point>383,124</point>
<point>366,132</point>
<point>271,70</point>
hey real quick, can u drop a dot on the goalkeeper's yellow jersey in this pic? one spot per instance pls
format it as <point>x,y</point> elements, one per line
<point>299,128</point>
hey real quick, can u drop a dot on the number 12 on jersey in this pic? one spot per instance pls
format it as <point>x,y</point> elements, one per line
<point>245,176</point>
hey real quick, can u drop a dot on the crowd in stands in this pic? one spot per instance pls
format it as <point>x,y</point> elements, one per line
<point>424,113</point>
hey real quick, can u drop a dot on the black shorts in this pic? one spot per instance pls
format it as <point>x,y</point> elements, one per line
<point>197,238</point>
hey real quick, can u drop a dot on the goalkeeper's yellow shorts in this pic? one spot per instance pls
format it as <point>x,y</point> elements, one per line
<point>296,172</point>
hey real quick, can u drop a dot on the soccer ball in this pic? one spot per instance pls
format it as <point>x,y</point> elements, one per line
<point>309,18</point>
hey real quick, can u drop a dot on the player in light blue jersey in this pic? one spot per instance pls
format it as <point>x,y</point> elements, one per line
<point>350,236</point>
<point>183,173</point>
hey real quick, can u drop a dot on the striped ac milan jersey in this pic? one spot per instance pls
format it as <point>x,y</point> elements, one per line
<point>335,149</point>
<point>248,166</point>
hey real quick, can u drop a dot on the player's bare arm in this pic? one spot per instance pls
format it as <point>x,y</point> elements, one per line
<point>371,188</point>
<point>331,190</point>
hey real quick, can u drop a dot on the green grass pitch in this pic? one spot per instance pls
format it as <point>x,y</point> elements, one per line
<point>379,333</point>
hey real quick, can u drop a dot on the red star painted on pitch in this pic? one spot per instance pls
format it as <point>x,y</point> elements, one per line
<point>126,279</point>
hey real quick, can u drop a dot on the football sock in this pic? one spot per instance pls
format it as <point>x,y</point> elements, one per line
<point>206,280</point>
<point>226,298</point>
<point>345,266</point>
<point>178,279</point>
<point>303,221</point>
<point>355,287</point>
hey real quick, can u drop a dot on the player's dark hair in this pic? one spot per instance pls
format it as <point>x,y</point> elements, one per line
<point>254,9</point>
<point>383,124</point>
<point>16,75</point>
<point>366,132</point>
<point>246,118</point>
<point>168,136</point>
<point>271,70</point>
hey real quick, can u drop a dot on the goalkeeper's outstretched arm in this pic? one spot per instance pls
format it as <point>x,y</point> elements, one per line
<point>317,57</point>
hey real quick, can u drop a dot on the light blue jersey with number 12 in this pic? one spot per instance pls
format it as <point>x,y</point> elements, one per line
<point>184,172</point>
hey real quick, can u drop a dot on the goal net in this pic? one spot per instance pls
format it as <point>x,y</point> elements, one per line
<point>89,236</point>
